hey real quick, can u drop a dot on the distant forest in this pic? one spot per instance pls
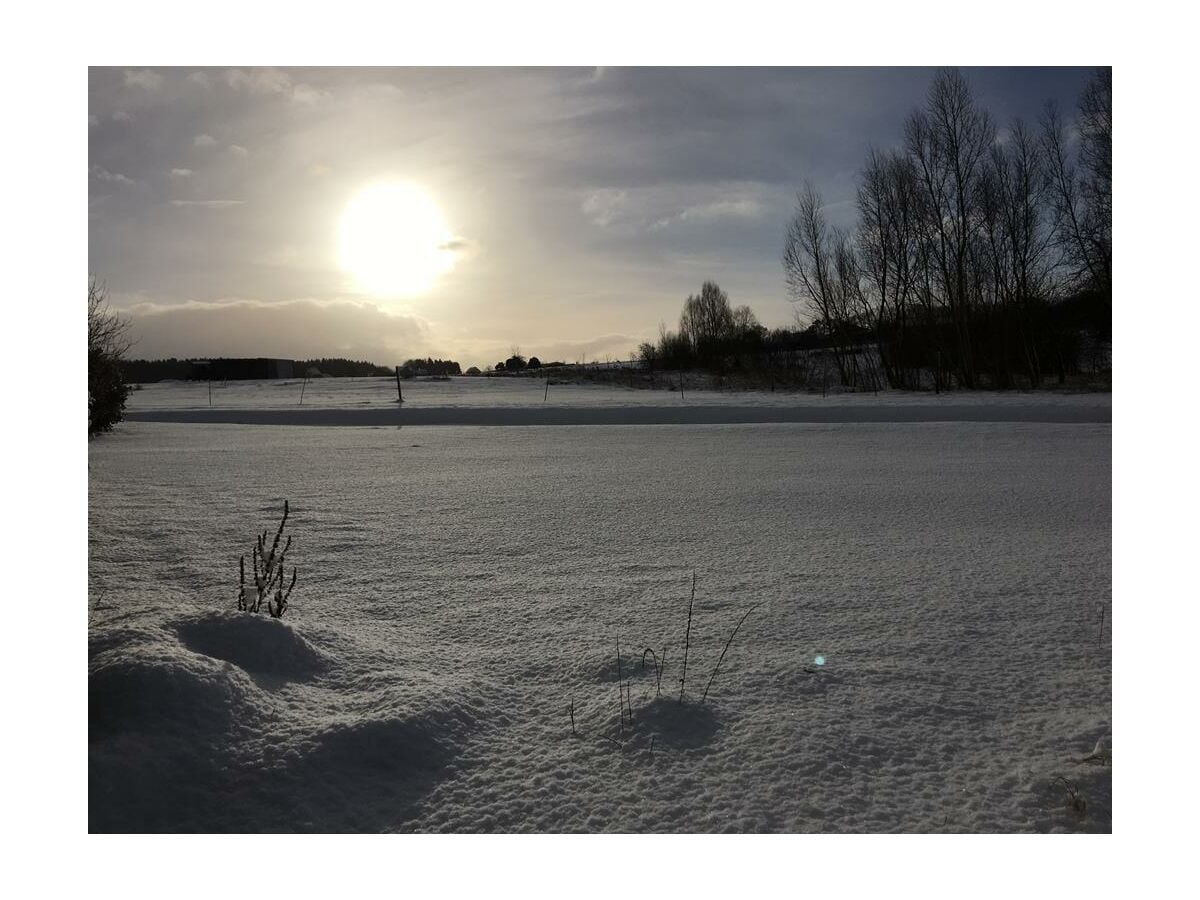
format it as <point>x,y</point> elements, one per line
<point>415,367</point>
<point>981,258</point>
<point>146,371</point>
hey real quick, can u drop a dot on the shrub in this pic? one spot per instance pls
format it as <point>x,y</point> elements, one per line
<point>108,342</point>
<point>268,574</point>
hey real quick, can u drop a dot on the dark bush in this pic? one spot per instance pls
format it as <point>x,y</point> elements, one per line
<point>107,343</point>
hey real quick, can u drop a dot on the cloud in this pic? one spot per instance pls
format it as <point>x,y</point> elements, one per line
<point>200,79</point>
<point>93,121</point>
<point>204,140</point>
<point>238,150</point>
<point>662,206</point>
<point>606,206</point>
<point>306,95</point>
<point>259,81</point>
<point>208,204</point>
<point>122,115</point>
<point>747,208</point>
<point>293,329</point>
<point>102,174</point>
<point>143,78</point>
<point>181,173</point>
<point>273,82</point>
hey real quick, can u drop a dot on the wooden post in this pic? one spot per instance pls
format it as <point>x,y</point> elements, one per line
<point>399,393</point>
<point>302,387</point>
<point>547,393</point>
<point>210,390</point>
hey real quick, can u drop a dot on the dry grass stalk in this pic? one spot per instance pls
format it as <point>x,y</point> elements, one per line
<point>687,638</point>
<point>726,650</point>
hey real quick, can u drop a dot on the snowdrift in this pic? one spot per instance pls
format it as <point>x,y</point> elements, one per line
<point>222,722</point>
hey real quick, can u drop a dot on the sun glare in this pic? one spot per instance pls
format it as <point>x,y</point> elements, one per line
<point>393,240</point>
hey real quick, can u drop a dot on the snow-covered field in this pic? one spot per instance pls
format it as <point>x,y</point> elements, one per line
<point>461,589</point>
<point>522,392</point>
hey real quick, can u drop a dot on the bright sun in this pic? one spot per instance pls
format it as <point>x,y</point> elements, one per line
<point>393,240</point>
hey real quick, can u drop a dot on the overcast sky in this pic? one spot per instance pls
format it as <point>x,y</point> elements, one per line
<point>583,205</point>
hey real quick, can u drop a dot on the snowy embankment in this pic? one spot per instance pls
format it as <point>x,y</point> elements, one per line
<point>462,592</point>
<point>524,401</point>
<point>632,415</point>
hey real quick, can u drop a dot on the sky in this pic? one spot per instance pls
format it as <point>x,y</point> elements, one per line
<point>385,214</point>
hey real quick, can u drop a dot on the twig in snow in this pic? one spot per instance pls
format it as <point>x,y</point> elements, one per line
<point>620,691</point>
<point>1075,799</point>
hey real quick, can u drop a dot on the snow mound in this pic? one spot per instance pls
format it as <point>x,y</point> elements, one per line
<point>684,726</point>
<point>257,644</point>
<point>396,746</point>
<point>155,689</point>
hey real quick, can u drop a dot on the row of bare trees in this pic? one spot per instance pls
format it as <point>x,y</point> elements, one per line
<point>967,238</point>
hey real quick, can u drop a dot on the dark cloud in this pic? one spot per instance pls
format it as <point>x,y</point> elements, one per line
<point>299,329</point>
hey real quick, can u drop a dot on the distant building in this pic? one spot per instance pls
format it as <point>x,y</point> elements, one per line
<point>242,369</point>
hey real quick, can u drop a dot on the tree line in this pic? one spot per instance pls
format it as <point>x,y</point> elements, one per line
<point>981,257</point>
<point>148,371</point>
<point>430,366</point>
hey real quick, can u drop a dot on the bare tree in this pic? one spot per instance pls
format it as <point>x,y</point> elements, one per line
<point>948,143</point>
<point>1095,145</point>
<point>707,319</point>
<point>810,265</point>
<point>887,241</point>
<point>1083,199</point>
<point>108,333</point>
<point>1017,244</point>
<point>745,323</point>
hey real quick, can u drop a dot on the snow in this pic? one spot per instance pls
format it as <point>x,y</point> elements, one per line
<point>462,591</point>
<point>379,394</point>
<point>519,401</point>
